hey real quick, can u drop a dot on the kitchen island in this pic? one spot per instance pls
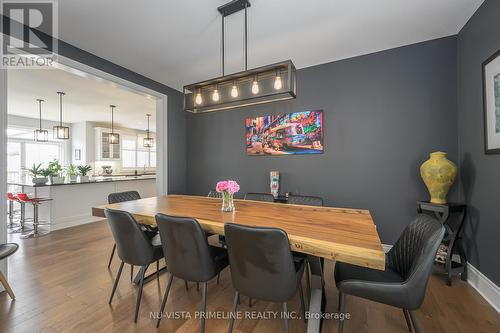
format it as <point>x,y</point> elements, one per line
<point>72,201</point>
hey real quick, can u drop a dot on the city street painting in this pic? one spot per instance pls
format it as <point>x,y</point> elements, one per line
<point>285,134</point>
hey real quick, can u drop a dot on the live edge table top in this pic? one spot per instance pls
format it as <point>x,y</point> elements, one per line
<point>347,235</point>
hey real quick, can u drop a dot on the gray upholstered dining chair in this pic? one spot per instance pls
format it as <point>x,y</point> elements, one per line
<point>7,250</point>
<point>262,266</point>
<point>214,194</point>
<point>295,199</point>
<point>189,256</point>
<point>133,247</point>
<point>403,282</point>
<point>259,197</point>
<point>123,197</point>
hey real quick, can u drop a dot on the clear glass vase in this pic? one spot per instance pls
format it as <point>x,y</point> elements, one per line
<point>227,202</point>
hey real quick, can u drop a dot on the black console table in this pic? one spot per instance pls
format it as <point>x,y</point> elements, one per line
<point>453,235</point>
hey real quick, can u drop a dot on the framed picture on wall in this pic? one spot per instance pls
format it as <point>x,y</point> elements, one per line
<point>491,101</point>
<point>285,134</point>
<point>78,154</point>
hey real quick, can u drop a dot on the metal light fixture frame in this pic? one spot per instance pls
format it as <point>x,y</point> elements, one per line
<point>148,141</point>
<point>114,138</point>
<point>244,79</point>
<point>40,134</point>
<point>60,132</point>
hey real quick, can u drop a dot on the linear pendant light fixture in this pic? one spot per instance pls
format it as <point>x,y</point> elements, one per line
<point>148,141</point>
<point>264,84</point>
<point>60,132</point>
<point>41,135</point>
<point>114,138</point>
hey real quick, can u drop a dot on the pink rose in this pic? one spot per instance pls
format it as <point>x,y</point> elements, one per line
<point>229,186</point>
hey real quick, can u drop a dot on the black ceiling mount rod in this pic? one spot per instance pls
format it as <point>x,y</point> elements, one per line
<point>226,10</point>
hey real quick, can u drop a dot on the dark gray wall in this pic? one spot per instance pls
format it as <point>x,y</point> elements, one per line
<point>383,114</point>
<point>480,173</point>
<point>176,117</point>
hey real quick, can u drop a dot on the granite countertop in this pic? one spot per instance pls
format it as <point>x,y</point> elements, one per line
<point>93,181</point>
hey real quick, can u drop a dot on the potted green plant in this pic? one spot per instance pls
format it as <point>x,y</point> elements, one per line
<point>37,174</point>
<point>72,173</point>
<point>83,170</point>
<point>56,170</point>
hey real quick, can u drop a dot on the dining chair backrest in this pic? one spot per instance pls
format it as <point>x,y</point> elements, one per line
<point>132,244</point>
<point>214,194</point>
<point>123,196</point>
<point>304,200</point>
<point>259,197</point>
<point>186,248</point>
<point>261,262</point>
<point>413,254</point>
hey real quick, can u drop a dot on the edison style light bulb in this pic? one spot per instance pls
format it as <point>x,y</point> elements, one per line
<point>198,100</point>
<point>255,87</point>
<point>277,83</point>
<point>234,91</point>
<point>215,95</point>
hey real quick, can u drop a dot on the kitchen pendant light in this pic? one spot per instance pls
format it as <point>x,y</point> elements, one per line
<point>264,84</point>
<point>60,132</point>
<point>41,135</point>
<point>114,138</point>
<point>148,141</point>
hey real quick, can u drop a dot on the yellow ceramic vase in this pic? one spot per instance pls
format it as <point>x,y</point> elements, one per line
<point>438,174</point>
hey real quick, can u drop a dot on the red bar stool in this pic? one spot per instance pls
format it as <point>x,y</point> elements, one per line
<point>11,197</point>
<point>36,202</point>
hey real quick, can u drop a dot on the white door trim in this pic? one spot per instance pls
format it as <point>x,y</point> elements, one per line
<point>3,164</point>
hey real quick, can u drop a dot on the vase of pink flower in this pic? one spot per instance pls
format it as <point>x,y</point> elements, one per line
<point>227,188</point>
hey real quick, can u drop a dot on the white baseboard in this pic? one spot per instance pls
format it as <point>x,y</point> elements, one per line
<point>484,286</point>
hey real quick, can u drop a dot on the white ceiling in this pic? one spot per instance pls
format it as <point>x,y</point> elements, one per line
<point>87,98</point>
<point>177,42</point>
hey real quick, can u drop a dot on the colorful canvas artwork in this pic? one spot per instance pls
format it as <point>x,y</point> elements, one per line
<point>285,134</point>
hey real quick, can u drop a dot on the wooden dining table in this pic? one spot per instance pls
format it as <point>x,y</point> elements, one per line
<point>341,234</point>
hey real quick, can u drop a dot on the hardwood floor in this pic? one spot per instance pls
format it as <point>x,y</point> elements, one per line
<point>62,284</point>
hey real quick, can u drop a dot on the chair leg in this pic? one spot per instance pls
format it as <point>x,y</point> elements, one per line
<point>408,320</point>
<point>249,302</point>
<point>285,315</point>
<point>308,280</point>
<point>341,310</point>
<point>157,269</point>
<point>415,322</point>
<point>302,303</point>
<point>233,312</point>
<point>186,284</point>
<point>197,286</point>
<point>218,278</point>
<point>164,301</point>
<point>112,255</point>
<point>6,286</point>
<point>131,272</point>
<point>116,282</point>
<point>203,307</point>
<point>139,293</point>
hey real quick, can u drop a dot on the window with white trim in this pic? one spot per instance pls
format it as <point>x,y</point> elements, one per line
<point>134,155</point>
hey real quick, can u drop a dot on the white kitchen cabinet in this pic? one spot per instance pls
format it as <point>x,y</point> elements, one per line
<point>104,150</point>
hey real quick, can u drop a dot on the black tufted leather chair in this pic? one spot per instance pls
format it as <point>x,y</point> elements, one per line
<point>304,200</point>
<point>408,267</point>
<point>259,197</point>
<point>214,194</point>
<point>133,247</point>
<point>188,255</point>
<point>262,266</point>
<point>5,251</point>
<point>122,197</point>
